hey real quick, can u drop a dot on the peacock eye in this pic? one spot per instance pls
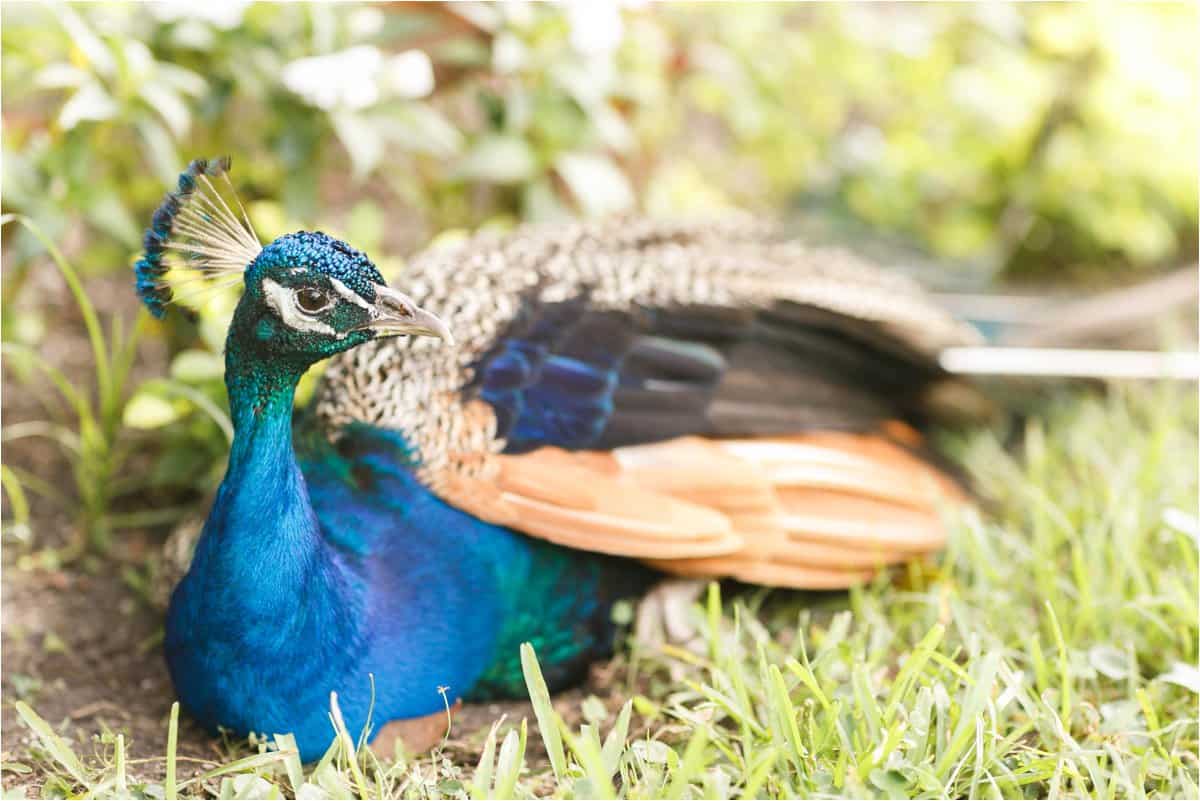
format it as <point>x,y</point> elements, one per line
<point>311,301</point>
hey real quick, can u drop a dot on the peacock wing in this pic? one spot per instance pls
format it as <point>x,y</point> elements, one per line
<point>702,397</point>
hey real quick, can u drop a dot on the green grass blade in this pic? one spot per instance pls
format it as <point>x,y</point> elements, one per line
<point>78,401</point>
<point>712,608</point>
<point>18,503</point>
<point>55,746</point>
<point>170,792</point>
<point>349,750</point>
<point>806,676</point>
<point>120,780</point>
<point>614,743</point>
<point>509,763</point>
<point>286,744</point>
<point>126,352</point>
<point>201,401</point>
<point>90,320</point>
<point>543,710</point>
<point>1064,666</point>
<point>759,775</point>
<point>481,782</point>
<point>586,748</point>
<point>690,766</point>
<point>972,707</point>
<point>250,764</point>
<point>782,703</point>
<point>914,663</point>
<point>63,436</point>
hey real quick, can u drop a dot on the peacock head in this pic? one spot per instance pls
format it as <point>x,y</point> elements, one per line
<point>307,296</point>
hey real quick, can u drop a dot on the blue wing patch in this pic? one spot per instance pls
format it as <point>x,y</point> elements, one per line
<point>578,378</point>
<point>568,406</point>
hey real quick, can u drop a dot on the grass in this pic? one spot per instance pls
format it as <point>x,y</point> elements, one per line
<point>1050,651</point>
<point>91,433</point>
<point>90,424</point>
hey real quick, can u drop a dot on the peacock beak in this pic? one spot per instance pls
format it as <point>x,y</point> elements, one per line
<point>394,313</point>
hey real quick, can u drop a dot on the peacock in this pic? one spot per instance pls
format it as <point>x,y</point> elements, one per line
<point>539,425</point>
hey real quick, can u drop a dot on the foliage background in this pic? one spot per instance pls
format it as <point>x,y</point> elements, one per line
<point>1034,139</point>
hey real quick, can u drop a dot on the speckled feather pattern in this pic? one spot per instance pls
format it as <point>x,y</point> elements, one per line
<point>420,387</point>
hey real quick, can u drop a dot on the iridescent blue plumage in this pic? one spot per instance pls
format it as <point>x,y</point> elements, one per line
<point>552,379</point>
<point>322,253</point>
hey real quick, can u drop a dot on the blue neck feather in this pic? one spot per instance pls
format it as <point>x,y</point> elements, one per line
<point>235,614</point>
<point>262,524</point>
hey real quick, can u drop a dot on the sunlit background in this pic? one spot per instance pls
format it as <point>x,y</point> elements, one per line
<point>1050,140</point>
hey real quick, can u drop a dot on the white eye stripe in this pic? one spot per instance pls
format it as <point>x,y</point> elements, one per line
<point>283,301</point>
<point>349,294</point>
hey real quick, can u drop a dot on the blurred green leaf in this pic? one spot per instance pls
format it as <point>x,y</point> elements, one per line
<point>196,366</point>
<point>91,102</point>
<point>363,141</point>
<point>420,128</point>
<point>98,56</point>
<point>147,411</point>
<point>598,185</point>
<point>55,746</point>
<point>498,159</point>
<point>160,149</point>
<point>169,105</point>
<point>60,75</point>
<point>108,213</point>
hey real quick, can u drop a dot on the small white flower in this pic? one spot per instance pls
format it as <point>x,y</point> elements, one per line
<point>365,22</point>
<point>1186,676</point>
<point>348,79</point>
<point>596,26</point>
<point>225,15</point>
<point>509,53</point>
<point>863,145</point>
<point>359,77</point>
<point>409,74</point>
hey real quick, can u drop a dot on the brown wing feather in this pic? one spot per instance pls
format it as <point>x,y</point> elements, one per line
<point>813,511</point>
<point>581,500</point>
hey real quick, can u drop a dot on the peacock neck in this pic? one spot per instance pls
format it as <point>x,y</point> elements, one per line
<point>262,534</point>
<point>262,462</point>
<point>261,390</point>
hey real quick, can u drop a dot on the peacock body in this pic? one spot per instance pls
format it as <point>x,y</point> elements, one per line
<point>621,399</point>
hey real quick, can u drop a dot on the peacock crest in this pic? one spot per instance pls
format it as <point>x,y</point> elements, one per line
<point>196,243</point>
